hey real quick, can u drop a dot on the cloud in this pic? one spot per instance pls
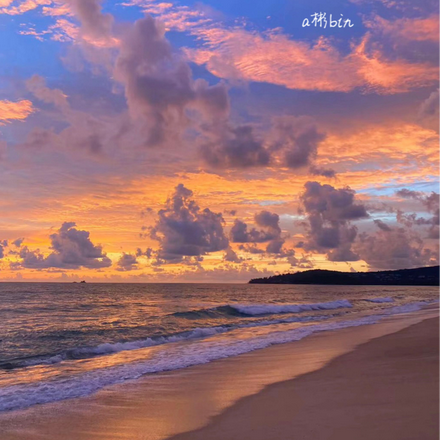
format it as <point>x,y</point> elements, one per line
<point>408,6</point>
<point>240,54</point>
<point>126,263</point>
<point>274,58</point>
<point>148,253</point>
<point>268,231</point>
<point>298,139</point>
<point>411,29</point>
<point>22,7</point>
<point>3,244</point>
<point>409,194</point>
<point>159,87</point>
<point>71,249</point>
<point>395,248</point>
<point>95,25</point>
<point>37,86</point>
<point>18,242</point>
<point>19,110</point>
<point>85,131</point>
<point>430,106</point>
<point>321,171</point>
<point>267,221</point>
<point>291,142</point>
<point>231,256</point>
<point>235,147</point>
<point>383,226</point>
<point>184,229</point>
<point>431,204</point>
<point>329,213</point>
<point>226,273</point>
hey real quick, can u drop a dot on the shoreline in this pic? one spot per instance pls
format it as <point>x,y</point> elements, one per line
<point>159,406</point>
<point>386,388</point>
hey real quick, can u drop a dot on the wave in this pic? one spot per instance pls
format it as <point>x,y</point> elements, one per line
<point>272,309</point>
<point>111,348</point>
<point>386,299</point>
<point>238,310</point>
<point>176,357</point>
<point>213,312</point>
<point>241,310</point>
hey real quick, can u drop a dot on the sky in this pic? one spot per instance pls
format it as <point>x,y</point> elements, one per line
<point>217,141</point>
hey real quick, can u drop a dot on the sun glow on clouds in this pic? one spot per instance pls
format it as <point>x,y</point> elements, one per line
<point>274,57</point>
<point>15,110</point>
<point>168,177</point>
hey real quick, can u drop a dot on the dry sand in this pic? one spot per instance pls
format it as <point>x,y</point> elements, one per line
<point>385,389</point>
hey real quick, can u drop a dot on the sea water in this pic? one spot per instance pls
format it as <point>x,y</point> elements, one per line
<point>60,341</point>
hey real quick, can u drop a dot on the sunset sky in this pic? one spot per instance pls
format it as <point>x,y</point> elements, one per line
<point>216,141</point>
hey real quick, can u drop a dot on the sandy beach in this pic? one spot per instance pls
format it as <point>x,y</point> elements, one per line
<point>317,387</point>
<point>385,389</point>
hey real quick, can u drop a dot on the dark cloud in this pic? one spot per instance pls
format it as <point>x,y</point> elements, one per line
<point>127,262</point>
<point>251,248</point>
<point>430,202</point>
<point>320,171</point>
<point>275,246</point>
<point>159,87</point>
<point>94,23</point>
<point>329,212</point>
<point>409,194</point>
<point>3,244</point>
<point>383,226</point>
<point>148,253</point>
<point>267,221</point>
<point>231,256</point>
<point>434,232</point>
<point>292,142</point>
<point>234,148</point>
<point>85,131</point>
<point>71,249</point>
<point>268,231</point>
<point>18,242</point>
<point>232,212</point>
<point>430,106</point>
<point>394,249</point>
<point>184,229</point>
<point>297,138</point>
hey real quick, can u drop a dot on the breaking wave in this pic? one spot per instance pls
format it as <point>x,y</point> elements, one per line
<point>175,357</point>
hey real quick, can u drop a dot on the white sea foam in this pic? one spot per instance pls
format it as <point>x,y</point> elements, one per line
<point>109,348</point>
<point>266,309</point>
<point>175,356</point>
<point>198,333</point>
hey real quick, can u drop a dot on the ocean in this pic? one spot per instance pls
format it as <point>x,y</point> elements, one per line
<point>61,341</point>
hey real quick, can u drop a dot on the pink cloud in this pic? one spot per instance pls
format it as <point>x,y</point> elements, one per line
<point>22,7</point>
<point>274,57</point>
<point>411,29</point>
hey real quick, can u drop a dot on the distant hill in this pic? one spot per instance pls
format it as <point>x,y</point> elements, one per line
<point>422,276</point>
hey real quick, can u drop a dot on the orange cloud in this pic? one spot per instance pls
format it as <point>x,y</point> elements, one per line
<point>15,110</point>
<point>274,57</point>
<point>391,76</point>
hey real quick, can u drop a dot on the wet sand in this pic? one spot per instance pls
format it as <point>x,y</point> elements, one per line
<point>385,389</point>
<point>253,394</point>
